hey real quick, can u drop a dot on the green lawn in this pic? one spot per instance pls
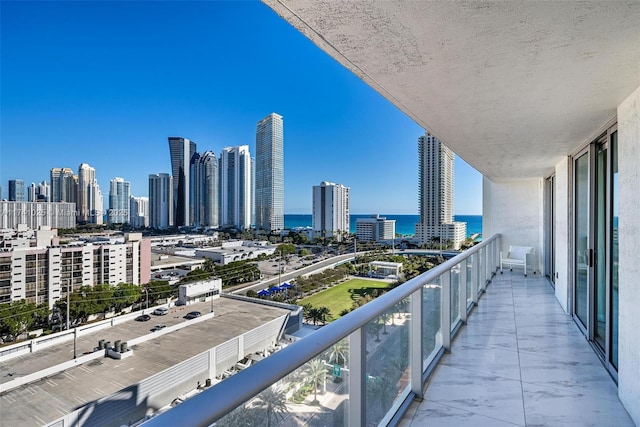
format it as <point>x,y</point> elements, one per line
<point>343,295</point>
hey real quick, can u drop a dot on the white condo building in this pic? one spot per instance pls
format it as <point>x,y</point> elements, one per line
<point>435,195</point>
<point>139,212</point>
<point>89,205</point>
<point>331,212</point>
<point>375,228</point>
<point>39,269</point>
<point>269,174</point>
<point>235,187</point>
<point>161,201</point>
<point>119,194</point>
<point>36,214</point>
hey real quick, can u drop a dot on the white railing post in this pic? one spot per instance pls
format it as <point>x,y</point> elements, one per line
<point>415,342</point>
<point>445,309</point>
<point>357,380</point>
<point>483,269</point>
<point>462,292</point>
<point>475,277</point>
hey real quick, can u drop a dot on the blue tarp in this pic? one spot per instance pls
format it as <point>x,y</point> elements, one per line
<point>264,292</point>
<point>286,286</point>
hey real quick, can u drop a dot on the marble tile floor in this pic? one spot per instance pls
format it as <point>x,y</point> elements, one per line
<point>519,361</point>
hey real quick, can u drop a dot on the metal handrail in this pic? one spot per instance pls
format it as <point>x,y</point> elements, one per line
<point>212,404</point>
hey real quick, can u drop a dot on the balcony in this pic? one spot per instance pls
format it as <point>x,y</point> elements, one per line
<point>518,360</point>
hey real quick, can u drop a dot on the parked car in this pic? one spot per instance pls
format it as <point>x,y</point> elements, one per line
<point>193,315</point>
<point>158,327</point>
<point>161,311</point>
<point>143,318</point>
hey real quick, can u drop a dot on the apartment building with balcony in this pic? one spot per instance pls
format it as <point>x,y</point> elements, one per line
<point>543,99</point>
<point>39,269</point>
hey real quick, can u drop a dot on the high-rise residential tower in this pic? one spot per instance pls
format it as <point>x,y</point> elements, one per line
<point>17,190</point>
<point>235,187</point>
<point>435,194</point>
<point>181,151</point>
<point>43,193</point>
<point>119,194</point>
<point>64,185</point>
<point>269,175</point>
<point>331,211</point>
<point>160,201</point>
<point>204,189</point>
<point>89,201</point>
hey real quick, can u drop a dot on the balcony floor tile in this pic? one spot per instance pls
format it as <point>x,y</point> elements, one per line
<point>519,360</point>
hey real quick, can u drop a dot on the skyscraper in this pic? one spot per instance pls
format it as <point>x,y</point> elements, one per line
<point>269,175</point>
<point>43,192</point>
<point>235,187</point>
<point>435,193</point>
<point>204,189</point>
<point>89,204</point>
<point>32,192</point>
<point>119,194</point>
<point>181,151</point>
<point>331,211</point>
<point>64,186</point>
<point>160,200</point>
<point>16,190</point>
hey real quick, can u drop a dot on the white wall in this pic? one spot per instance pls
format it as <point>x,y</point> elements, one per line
<point>629,235</point>
<point>562,237</point>
<point>513,209</point>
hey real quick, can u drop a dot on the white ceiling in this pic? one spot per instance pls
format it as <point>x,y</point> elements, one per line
<point>510,86</point>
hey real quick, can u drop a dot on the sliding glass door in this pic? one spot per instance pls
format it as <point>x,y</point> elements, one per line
<point>595,243</point>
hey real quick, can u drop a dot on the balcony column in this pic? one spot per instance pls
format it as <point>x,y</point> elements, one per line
<point>357,383</point>
<point>415,343</point>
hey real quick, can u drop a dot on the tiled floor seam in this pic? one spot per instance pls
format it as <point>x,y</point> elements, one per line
<point>515,321</point>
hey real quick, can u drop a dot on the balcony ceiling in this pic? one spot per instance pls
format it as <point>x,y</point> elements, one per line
<point>511,87</point>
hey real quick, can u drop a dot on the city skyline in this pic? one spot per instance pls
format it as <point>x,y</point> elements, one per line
<point>111,101</point>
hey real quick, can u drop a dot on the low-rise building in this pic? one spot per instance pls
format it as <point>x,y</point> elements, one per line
<point>235,251</point>
<point>375,228</point>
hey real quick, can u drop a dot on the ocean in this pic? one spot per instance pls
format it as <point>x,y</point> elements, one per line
<point>405,224</point>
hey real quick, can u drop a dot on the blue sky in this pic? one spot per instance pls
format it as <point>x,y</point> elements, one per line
<point>105,83</point>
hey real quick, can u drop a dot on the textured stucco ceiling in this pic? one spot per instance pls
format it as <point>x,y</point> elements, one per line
<point>511,86</point>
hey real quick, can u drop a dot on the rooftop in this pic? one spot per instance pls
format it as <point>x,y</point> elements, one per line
<point>46,400</point>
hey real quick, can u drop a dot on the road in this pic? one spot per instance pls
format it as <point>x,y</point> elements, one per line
<point>292,274</point>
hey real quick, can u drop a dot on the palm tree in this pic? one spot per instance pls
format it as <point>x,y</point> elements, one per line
<point>339,352</point>
<point>315,372</point>
<point>208,265</point>
<point>274,401</point>
<point>325,313</point>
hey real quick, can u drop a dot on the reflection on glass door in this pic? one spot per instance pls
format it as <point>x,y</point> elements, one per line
<point>613,342</point>
<point>600,314</point>
<point>582,241</point>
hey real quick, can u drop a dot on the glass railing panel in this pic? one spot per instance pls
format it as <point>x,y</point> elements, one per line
<point>469,266</point>
<point>431,323</point>
<point>455,296</point>
<point>316,392</point>
<point>387,364</point>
